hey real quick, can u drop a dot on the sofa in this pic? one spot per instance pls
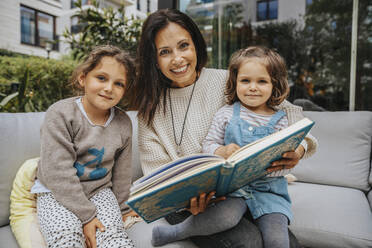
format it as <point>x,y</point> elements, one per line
<point>331,198</point>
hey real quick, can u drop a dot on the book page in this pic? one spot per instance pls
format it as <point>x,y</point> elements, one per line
<point>173,164</point>
<point>200,168</point>
<point>172,172</point>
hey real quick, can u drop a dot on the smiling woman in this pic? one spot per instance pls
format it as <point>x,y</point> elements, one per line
<point>176,98</point>
<point>176,55</point>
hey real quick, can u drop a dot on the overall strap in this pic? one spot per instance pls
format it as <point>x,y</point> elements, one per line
<point>276,118</point>
<point>236,113</point>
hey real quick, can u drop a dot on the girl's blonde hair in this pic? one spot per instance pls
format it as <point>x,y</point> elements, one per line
<point>275,66</point>
<point>95,57</point>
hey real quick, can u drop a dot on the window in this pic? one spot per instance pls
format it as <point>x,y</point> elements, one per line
<point>28,26</point>
<point>316,44</point>
<point>267,10</point>
<point>75,26</point>
<point>83,2</point>
<point>37,28</point>
<point>138,5</point>
<point>148,6</point>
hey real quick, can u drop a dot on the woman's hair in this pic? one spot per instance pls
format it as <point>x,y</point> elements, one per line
<point>95,57</point>
<point>275,66</point>
<point>151,84</point>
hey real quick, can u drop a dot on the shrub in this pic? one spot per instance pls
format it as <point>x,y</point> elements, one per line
<point>40,82</point>
<point>102,26</point>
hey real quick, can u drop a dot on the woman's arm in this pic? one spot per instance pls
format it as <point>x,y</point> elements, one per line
<point>291,159</point>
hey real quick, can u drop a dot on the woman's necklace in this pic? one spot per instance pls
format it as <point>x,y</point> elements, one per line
<point>178,148</point>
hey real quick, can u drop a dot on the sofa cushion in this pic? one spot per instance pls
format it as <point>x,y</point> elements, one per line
<point>20,140</point>
<point>23,217</point>
<point>330,216</point>
<point>343,155</point>
<point>7,238</point>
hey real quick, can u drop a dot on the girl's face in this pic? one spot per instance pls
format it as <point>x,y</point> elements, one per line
<point>104,86</point>
<point>254,86</point>
<point>176,55</point>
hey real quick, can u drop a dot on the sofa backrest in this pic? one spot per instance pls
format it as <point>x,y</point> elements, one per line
<point>343,157</point>
<point>20,140</point>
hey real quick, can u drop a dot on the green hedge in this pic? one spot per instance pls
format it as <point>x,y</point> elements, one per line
<point>41,82</point>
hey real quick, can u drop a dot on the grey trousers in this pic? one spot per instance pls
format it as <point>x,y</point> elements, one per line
<point>242,232</point>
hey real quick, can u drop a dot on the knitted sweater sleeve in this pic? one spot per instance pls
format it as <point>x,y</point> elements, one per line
<point>56,166</point>
<point>122,173</point>
<point>294,114</point>
<point>153,153</point>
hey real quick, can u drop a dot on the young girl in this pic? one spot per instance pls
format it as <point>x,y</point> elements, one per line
<point>256,89</point>
<point>84,172</point>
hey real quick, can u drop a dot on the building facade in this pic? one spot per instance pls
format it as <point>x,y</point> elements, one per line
<point>28,26</point>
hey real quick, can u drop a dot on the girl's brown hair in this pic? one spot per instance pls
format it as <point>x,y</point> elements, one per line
<point>95,57</point>
<point>275,66</point>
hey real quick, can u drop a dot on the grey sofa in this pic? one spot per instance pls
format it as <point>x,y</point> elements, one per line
<point>19,141</point>
<point>332,198</point>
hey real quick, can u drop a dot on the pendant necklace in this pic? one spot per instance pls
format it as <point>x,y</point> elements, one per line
<point>178,144</point>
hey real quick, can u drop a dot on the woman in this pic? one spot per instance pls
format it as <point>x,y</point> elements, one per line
<point>176,98</point>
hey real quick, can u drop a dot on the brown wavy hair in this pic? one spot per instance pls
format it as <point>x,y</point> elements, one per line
<point>151,84</point>
<point>275,66</point>
<point>95,57</point>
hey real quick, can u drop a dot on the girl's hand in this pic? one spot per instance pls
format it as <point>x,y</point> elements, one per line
<point>226,151</point>
<point>89,231</point>
<point>198,205</point>
<point>288,161</point>
<point>131,213</point>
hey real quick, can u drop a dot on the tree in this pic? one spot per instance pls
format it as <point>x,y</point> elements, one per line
<point>328,28</point>
<point>101,26</point>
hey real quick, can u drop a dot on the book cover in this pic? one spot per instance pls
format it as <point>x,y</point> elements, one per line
<point>170,187</point>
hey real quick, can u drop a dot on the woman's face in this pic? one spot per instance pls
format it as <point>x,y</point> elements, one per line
<point>176,55</point>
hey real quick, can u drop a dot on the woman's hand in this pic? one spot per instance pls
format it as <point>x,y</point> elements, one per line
<point>226,151</point>
<point>131,213</point>
<point>198,205</point>
<point>89,231</point>
<point>288,161</point>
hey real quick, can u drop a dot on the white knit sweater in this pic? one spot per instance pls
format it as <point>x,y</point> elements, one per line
<point>156,142</point>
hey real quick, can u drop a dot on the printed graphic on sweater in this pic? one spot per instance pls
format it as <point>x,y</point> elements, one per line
<point>98,172</point>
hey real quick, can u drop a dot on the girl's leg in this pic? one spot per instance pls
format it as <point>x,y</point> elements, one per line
<point>274,229</point>
<point>220,217</point>
<point>59,226</point>
<point>108,212</point>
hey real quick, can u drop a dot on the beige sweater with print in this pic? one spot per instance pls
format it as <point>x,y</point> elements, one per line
<point>68,139</point>
<point>157,144</point>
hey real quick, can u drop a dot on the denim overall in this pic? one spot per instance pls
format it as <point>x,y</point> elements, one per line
<point>268,194</point>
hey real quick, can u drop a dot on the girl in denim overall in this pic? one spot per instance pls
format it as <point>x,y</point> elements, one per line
<point>256,90</point>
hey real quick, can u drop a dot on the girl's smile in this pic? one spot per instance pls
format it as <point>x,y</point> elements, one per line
<point>254,86</point>
<point>104,87</point>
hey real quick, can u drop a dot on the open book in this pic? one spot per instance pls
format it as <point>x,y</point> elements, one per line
<point>170,187</point>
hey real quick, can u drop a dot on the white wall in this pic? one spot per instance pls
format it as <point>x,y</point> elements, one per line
<point>11,24</point>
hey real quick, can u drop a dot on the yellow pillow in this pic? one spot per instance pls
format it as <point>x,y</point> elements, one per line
<point>23,217</point>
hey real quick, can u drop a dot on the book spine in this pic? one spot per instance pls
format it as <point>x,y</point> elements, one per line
<point>224,179</point>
